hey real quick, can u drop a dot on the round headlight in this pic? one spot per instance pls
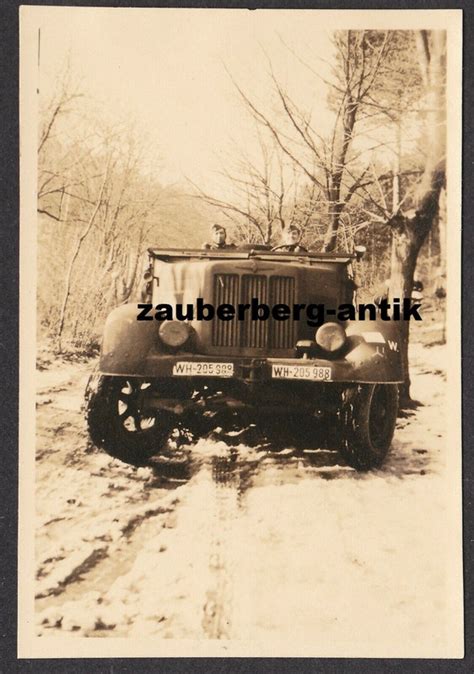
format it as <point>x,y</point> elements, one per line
<point>330,336</point>
<point>174,333</point>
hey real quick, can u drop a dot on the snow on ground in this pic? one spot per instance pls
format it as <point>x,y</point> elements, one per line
<point>244,543</point>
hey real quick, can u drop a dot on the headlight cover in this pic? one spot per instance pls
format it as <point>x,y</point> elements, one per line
<point>174,333</point>
<point>330,337</point>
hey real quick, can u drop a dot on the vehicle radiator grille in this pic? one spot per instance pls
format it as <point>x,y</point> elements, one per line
<point>226,291</point>
<point>235,289</point>
<point>254,333</point>
<point>282,291</point>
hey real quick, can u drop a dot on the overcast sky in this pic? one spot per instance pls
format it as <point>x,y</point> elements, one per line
<point>167,70</point>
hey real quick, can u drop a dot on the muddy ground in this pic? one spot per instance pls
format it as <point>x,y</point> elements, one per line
<point>240,542</point>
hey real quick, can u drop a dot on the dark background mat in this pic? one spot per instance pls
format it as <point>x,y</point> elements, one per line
<point>9,286</point>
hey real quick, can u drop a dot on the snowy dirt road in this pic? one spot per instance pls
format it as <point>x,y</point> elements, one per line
<point>240,542</point>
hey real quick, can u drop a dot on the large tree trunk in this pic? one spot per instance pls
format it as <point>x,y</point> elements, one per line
<point>330,237</point>
<point>410,230</point>
<point>341,148</point>
<point>408,235</point>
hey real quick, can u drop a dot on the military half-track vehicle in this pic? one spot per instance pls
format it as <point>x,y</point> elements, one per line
<point>153,374</point>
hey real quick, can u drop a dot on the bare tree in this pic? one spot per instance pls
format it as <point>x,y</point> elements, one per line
<point>319,175</point>
<point>264,193</point>
<point>97,211</point>
<point>331,163</point>
<point>410,226</point>
<point>407,198</point>
<point>77,248</point>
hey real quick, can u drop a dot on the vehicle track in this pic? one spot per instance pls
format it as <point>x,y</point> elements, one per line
<point>194,545</point>
<point>217,611</point>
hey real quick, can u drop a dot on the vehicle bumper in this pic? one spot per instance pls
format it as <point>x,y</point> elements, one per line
<point>371,367</point>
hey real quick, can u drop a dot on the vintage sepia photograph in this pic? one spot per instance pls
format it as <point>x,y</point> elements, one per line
<point>240,402</point>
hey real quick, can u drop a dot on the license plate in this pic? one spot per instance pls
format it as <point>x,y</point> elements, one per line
<point>303,372</point>
<point>202,369</point>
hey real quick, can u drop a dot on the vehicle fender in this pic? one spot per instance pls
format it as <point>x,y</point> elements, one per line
<point>127,342</point>
<point>374,350</point>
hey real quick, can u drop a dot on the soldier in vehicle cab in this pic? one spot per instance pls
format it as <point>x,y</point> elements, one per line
<point>291,237</point>
<point>218,236</point>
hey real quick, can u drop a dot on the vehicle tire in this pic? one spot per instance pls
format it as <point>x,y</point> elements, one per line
<point>369,413</point>
<point>116,422</point>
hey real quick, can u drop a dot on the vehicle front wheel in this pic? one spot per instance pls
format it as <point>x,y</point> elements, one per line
<point>118,421</point>
<point>368,415</point>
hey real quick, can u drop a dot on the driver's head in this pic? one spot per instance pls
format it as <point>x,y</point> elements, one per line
<point>292,235</point>
<point>218,234</point>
